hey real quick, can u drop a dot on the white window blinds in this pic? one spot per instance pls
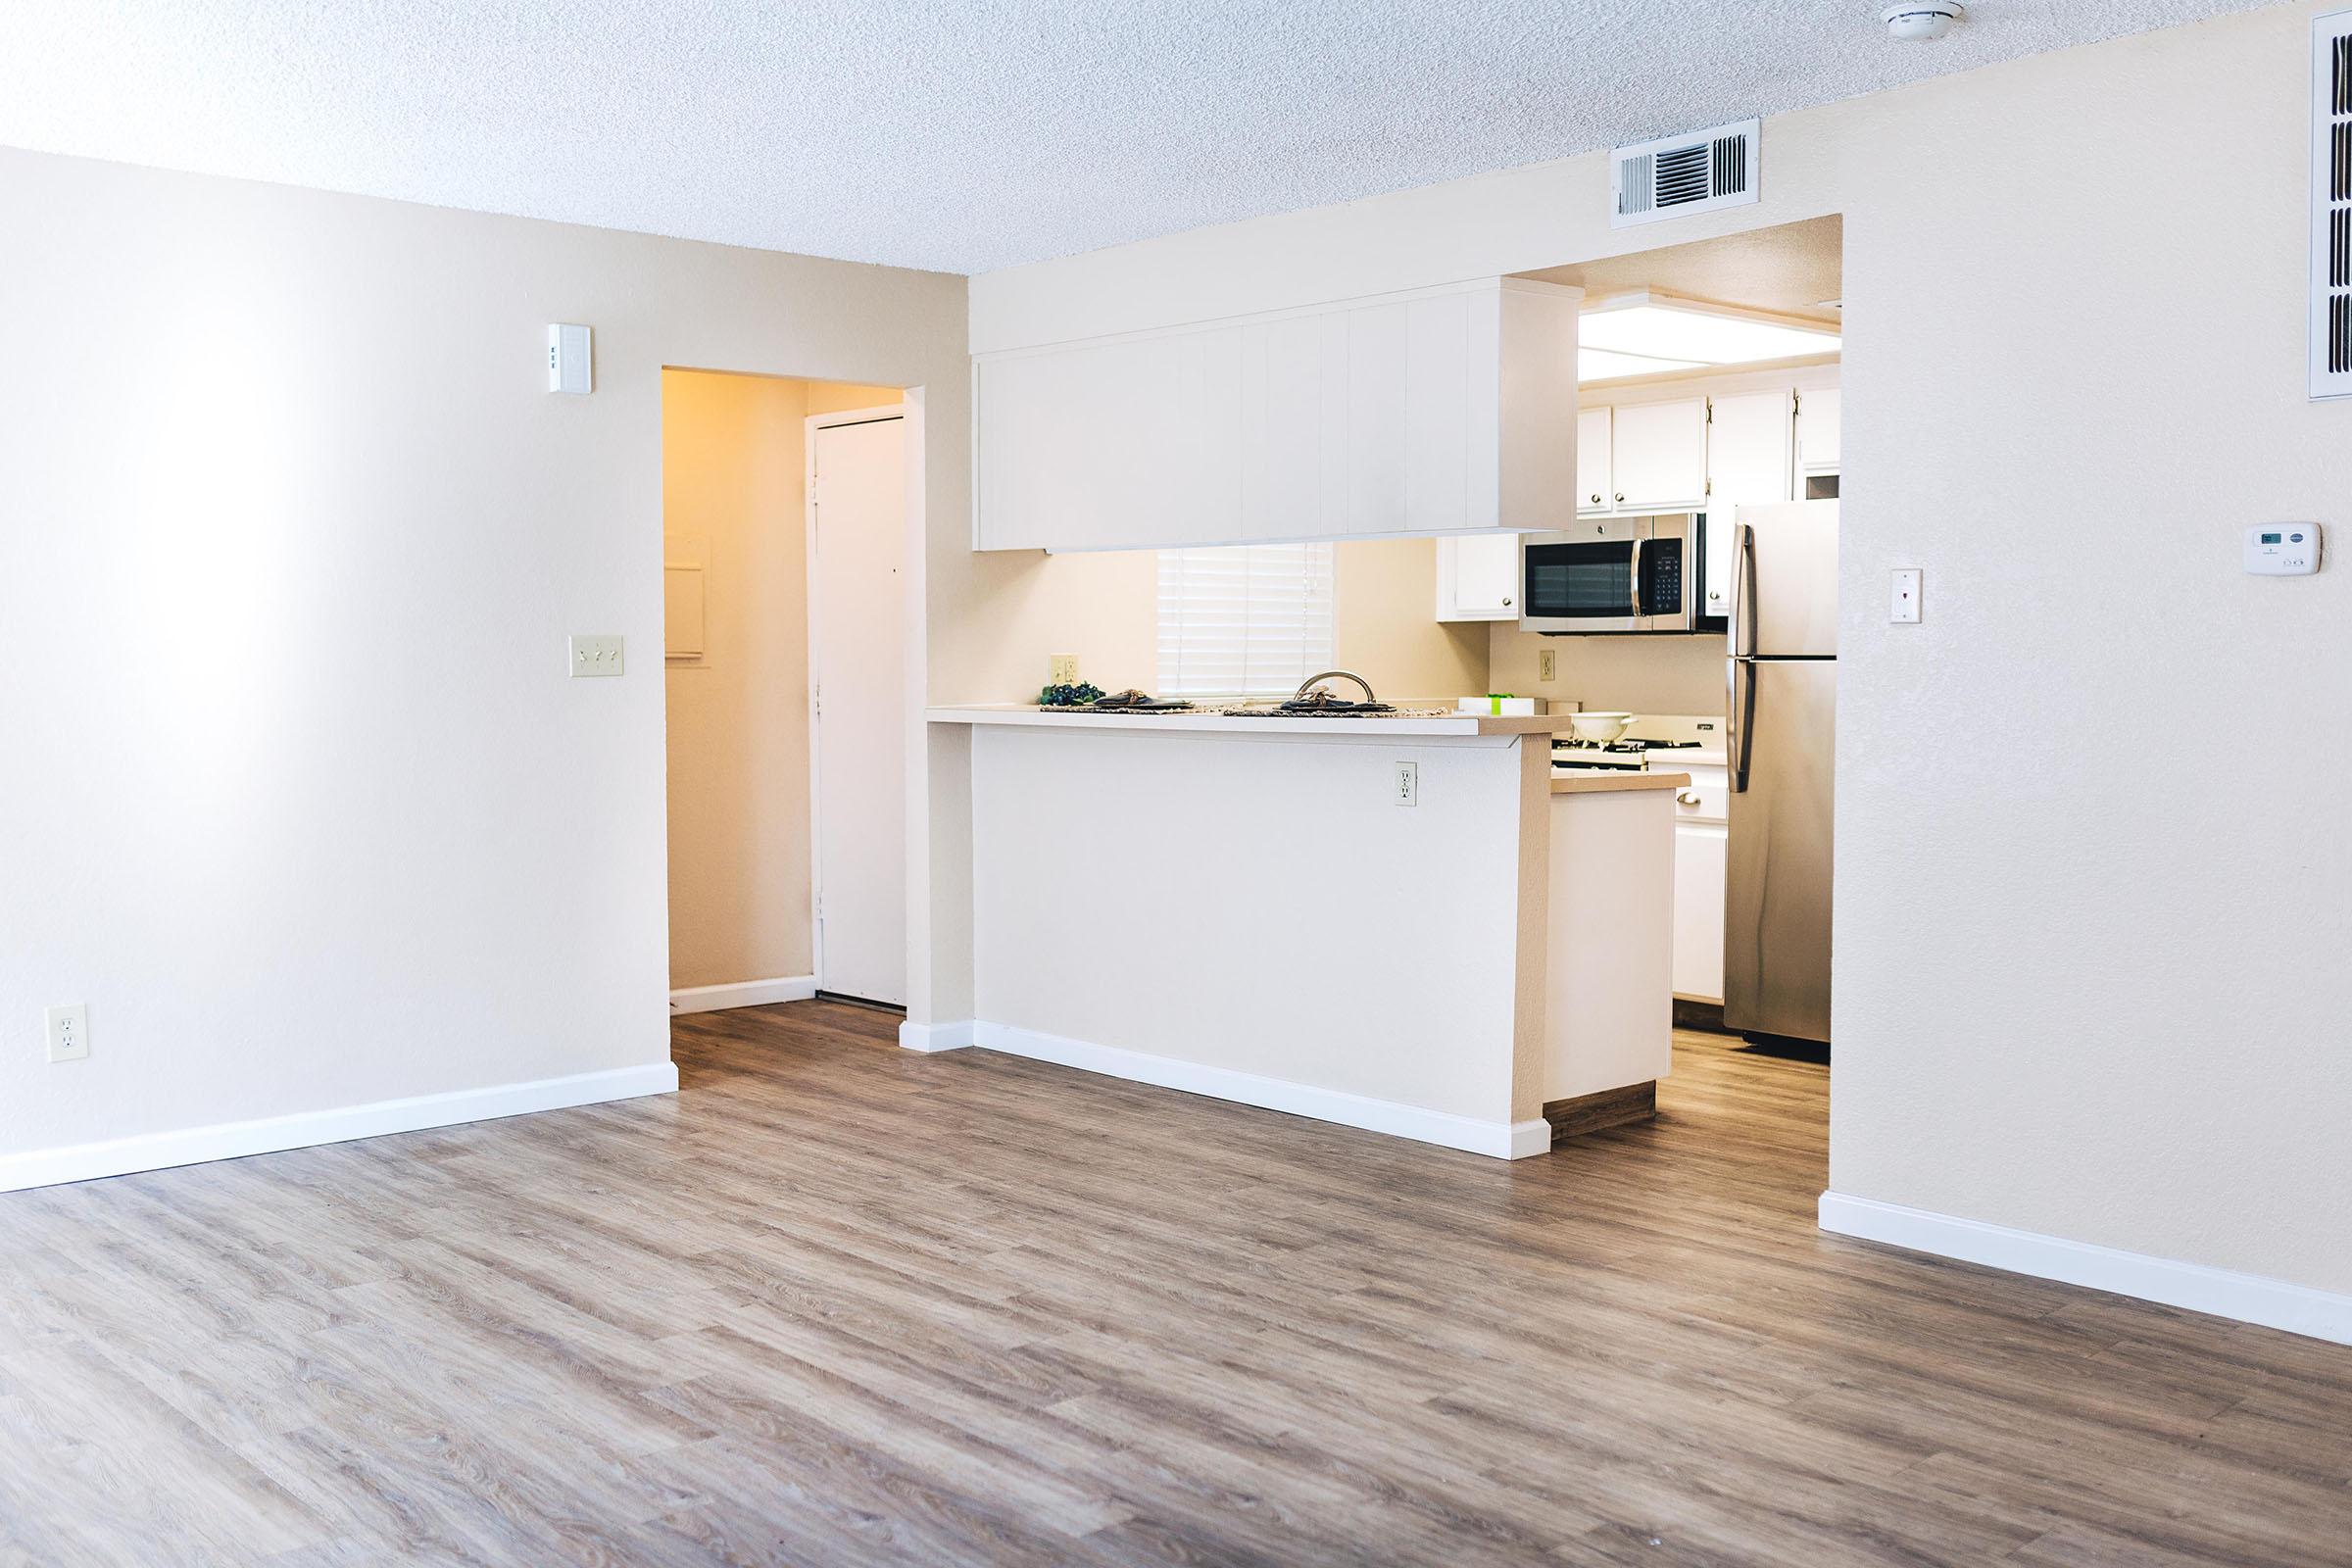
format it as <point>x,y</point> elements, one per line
<point>1247,620</point>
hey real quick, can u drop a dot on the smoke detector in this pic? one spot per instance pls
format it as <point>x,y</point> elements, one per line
<point>1922,21</point>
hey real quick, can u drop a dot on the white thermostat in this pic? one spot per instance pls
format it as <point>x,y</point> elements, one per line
<point>2282,549</point>
<point>571,366</point>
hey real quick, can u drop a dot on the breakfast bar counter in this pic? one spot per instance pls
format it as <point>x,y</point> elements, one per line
<point>1407,721</point>
<point>1392,921</point>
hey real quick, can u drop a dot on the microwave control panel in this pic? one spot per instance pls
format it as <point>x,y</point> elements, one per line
<point>1662,593</point>
<point>2282,549</point>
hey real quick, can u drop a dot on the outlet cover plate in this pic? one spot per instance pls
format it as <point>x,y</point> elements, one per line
<point>1903,609</point>
<point>67,1031</point>
<point>1063,670</point>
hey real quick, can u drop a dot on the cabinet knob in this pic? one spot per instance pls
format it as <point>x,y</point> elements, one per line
<point>1506,601</point>
<point>1686,797</point>
<point>1596,499</point>
<point>1621,498</point>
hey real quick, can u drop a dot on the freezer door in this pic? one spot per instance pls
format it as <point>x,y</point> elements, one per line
<point>1776,925</point>
<point>1784,580</point>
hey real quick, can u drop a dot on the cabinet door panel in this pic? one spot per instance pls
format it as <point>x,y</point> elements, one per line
<point>1286,410</point>
<point>1659,454</point>
<point>1377,419</point>
<point>1436,412</point>
<point>1748,455</point>
<point>1699,863</point>
<point>1820,413</point>
<point>1592,490</point>
<point>1478,578</point>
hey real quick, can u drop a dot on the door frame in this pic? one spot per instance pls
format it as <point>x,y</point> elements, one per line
<point>810,424</point>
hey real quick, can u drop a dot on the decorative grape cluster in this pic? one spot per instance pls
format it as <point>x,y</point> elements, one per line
<point>1077,696</point>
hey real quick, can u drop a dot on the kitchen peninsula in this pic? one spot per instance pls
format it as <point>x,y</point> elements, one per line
<point>1402,922</point>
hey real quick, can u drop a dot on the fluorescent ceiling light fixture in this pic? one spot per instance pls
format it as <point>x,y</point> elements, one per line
<point>1599,365</point>
<point>1673,333</point>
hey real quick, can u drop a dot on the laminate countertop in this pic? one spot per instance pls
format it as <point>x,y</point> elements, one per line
<point>1414,722</point>
<point>1611,783</point>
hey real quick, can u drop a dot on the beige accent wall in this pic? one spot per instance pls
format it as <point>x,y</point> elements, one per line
<point>1663,674</point>
<point>836,397</point>
<point>1386,628</point>
<point>2085,989</point>
<point>1386,591</point>
<point>734,496</point>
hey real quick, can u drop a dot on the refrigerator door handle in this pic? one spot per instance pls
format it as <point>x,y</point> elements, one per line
<point>1743,590</point>
<point>1741,703</point>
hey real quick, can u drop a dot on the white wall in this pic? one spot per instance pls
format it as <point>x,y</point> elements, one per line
<point>2089,979</point>
<point>295,793</point>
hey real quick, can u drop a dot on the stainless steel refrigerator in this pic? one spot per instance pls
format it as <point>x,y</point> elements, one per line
<point>1783,744</point>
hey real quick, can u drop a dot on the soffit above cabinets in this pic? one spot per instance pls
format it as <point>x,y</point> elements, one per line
<point>1433,410</point>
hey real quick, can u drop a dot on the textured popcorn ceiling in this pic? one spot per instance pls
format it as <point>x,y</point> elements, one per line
<point>961,136</point>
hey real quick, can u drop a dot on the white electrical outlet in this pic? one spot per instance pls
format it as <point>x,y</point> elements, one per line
<point>1547,663</point>
<point>1064,667</point>
<point>1408,784</point>
<point>597,656</point>
<point>69,1031</point>
<point>1903,609</point>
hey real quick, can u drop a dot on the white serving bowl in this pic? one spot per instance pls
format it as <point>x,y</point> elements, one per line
<point>1599,728</point>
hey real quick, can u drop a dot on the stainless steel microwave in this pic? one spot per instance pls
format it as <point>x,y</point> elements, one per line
<point>1613,574</point>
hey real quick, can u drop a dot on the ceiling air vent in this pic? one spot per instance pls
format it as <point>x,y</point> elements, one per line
<point>2332,206</point>
<point>1692,173</point>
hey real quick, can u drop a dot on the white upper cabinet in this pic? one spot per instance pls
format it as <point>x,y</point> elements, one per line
<point>1658,456</point>
<point>1593,488</point>
<point>1429,411</point>
<point>1478,578</point>
<point>1749,454</point>
<point>1817,418</point>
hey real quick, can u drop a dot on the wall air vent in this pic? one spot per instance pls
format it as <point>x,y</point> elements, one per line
<point>1692,172</point>
<point>2332,206</point>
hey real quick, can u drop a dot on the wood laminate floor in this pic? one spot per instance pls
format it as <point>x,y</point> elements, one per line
<point>842,1304</point>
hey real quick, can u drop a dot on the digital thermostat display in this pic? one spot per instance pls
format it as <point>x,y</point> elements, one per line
<point>2282,550</point>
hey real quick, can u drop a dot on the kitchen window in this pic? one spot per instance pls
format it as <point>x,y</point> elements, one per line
<point>1245,620</point>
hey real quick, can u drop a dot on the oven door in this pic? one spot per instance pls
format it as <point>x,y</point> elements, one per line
<point>1584,581</point>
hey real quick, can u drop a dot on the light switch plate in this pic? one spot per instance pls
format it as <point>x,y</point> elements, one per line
<point>1903,610</point>
<point>68,1032</point>
<point>597,656</point>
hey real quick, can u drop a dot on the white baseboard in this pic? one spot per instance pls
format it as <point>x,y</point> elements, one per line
<point>193,1146</point>
<point>1500,1139</point>
<point>935,1036</point>
<point>2244,1297</point>
<point>742,993</point>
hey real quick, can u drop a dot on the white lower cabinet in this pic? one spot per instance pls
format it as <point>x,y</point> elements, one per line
<point>1478,578</point>
<point>1702,838</point>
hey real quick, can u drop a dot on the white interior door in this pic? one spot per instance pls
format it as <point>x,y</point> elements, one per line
<point>856,664</point>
